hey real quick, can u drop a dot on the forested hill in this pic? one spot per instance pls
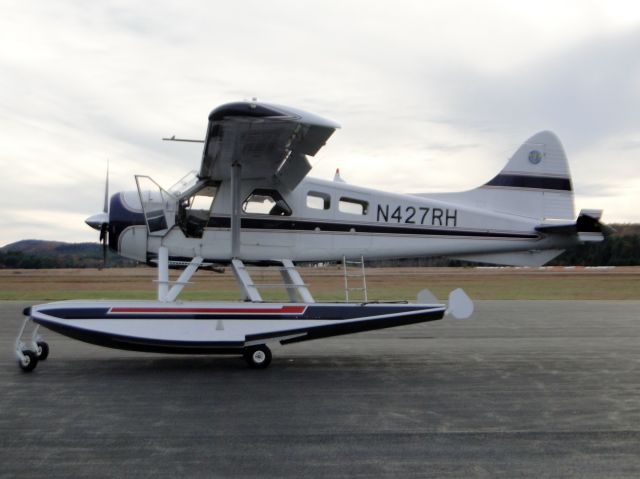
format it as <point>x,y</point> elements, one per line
<point>33,254</point>
<point>620,249</point>
<point>626,229</point>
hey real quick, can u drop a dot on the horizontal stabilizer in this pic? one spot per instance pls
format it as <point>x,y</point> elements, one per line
<point>588,227</point>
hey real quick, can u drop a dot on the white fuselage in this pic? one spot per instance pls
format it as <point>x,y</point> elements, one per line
<point>331,219</point>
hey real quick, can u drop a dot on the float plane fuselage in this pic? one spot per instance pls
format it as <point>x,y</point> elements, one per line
<point>251,202</point>
<point>522,216</point>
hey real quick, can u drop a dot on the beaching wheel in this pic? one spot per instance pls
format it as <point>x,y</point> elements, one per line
<point>42,351</point>
<point>29,361</point>
<point>258,357</point>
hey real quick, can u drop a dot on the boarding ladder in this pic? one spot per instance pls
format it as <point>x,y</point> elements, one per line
<point>354,269</point>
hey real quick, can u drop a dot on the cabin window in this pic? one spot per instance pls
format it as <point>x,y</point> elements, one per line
<point>318,201</point>
<point>266,202</point>
<point>353,206</point>
<point>194,211</point>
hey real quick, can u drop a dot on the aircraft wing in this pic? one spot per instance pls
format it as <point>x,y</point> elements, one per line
<point>269,141</point>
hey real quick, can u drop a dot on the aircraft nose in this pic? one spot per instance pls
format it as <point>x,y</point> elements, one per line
<point>96,221</point>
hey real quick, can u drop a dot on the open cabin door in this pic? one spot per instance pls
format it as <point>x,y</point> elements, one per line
<point>159,206</point>
<point>189,210</point>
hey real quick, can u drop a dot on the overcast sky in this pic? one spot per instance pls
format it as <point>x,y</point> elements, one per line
<point>432,96</point>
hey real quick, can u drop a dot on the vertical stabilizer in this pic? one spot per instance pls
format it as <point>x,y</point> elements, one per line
<point>541,155</point>
<point>536,181</point>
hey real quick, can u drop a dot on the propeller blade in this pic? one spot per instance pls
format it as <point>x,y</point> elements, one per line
<point>101,220</point>
<point>105,209</point>
<point>104,230</point>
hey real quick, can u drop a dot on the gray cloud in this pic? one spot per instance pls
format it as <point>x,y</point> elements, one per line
<point>86,82</point>
<point>448,147</point>
<point>628,145</point>
<point>584,92</point>
<point>597,189</point>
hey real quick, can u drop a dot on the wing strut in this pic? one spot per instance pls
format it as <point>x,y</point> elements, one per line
<point>233,157</point>
<point>297,290</point>
<point>166,294</point>
<point>236,172</point>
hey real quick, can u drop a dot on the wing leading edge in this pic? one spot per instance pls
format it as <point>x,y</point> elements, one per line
<point>269,141</point>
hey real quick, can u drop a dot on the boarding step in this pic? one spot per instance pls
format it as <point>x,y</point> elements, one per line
<point>354,269</point>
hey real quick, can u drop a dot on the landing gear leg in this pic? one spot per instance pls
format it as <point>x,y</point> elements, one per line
<point>258,357</point>
<point>30,352</point>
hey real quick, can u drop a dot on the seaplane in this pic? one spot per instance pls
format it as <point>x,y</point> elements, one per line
<point>252,204</point>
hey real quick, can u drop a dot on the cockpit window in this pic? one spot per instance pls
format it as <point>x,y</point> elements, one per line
<point>194,211</point>
<point>266,202</point>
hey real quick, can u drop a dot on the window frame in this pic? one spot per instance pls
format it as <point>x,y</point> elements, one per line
<point>325,197</point>
<point>274,195</point>
<point>364,204</point>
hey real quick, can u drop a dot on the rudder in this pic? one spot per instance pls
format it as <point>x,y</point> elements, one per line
<point>536,182</point>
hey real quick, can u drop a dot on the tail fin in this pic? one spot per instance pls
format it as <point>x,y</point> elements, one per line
<point>536,182</point>
<point>540,155</point>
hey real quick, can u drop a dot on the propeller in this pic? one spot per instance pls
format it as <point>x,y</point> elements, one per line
<point>100,221</point>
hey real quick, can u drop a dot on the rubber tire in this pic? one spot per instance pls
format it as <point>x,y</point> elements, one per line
<point>258,357</point>
<point>32,361</point>
<point>44,351</point>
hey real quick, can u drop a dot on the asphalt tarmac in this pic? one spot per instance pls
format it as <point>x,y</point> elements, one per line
<point>524,389</point>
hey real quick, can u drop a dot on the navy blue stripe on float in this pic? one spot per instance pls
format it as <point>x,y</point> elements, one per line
<point>535,182</point>
<point>322,312</point>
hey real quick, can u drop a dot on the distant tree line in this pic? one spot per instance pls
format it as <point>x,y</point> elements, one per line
<point>35,254</point>
<point>614,251</point>
<point>21,260</point>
